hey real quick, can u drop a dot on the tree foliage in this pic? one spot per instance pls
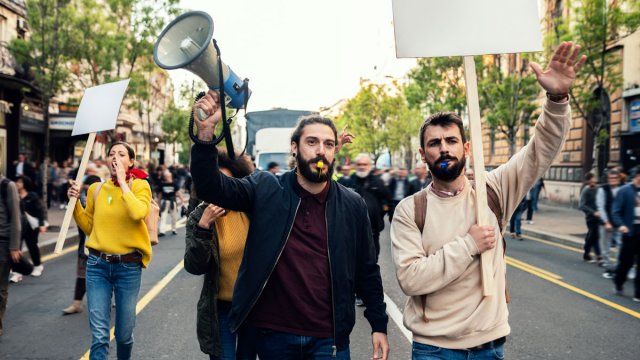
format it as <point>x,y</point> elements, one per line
<point>380,119</point>
<point>437,84</point>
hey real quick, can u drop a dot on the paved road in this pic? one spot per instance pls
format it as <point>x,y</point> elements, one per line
<point>561,309</point>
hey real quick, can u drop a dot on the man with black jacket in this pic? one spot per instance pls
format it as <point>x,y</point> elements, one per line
<point>592,217</point>
<point>309,249</point>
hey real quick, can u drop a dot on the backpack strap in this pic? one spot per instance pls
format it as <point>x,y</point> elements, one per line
<point>95,193</point>
<point>420,210</point>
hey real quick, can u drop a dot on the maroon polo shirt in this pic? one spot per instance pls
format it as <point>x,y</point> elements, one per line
<point>297,298</point>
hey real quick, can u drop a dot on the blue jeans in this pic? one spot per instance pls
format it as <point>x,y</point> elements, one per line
<point>245,349</point>
<point>103,280</point>
<point>274,345</point>
<point>515,224</point>
<point>428,352</point>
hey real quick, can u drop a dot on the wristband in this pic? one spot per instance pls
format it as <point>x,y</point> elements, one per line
<point>557,97</point>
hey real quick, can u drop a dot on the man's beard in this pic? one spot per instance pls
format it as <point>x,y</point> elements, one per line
<point>314,175</point>
<point>363,174</point>
<point>449,173</point>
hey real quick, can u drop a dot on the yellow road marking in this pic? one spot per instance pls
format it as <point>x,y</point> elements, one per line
<point>512,261</point>
<point>63,252</point>
<point>566,247</point>
<point>146,299</point>
<point>569,287</point>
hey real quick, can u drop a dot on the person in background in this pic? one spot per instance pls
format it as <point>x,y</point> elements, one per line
<point>102,170</point>
<point>273,168</point>
<point>168,203</point>
<point>214,246</point>
<point>592,217</point>
<point>608,234</point>
<point>398,190</point>
<point>515,223</point>
<point>118,246</point>
<point>421,181</point>
<point>30,207</point>
<point>10,231</point>
<point>81,268</point>
<point>626,218</point>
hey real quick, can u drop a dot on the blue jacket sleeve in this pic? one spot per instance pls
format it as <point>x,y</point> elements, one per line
<point>617,212</point>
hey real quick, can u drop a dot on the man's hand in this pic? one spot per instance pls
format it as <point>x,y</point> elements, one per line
<point>207,115</point>
<point>344,138</point>
<point>16,255</point>
<point>380,346</point>
<point>608,227</point>
<point>623,229</point>
<point>561,71</point>
<point>485,236</point>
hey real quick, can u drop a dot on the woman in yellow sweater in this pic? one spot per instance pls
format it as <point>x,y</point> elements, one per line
<point>118,247</point>
<point>214,247</point>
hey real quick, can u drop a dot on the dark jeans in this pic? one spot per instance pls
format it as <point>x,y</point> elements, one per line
<point>516,221</point>
<point>629,253</point>
<point>245,348</point>
<point>429,352</point>
<point>274,345</point>
<point>592,241</point>
<point>530,210</point>
<point>5,265</point>
<point>30,237</point>
<point>376,242</point>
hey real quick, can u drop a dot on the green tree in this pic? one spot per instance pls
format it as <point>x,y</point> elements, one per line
<point>47,51</point>
<point>507,98</point>
<point>597,25</point>
<point>174,123</point>
<point>437,84</point>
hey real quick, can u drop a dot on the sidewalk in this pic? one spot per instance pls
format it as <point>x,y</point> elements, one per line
<point>559,224</point>
<point>47,241</point>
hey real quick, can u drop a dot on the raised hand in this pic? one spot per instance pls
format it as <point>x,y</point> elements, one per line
<point>211,213</point>
<point>561,72</point>
<point>207,114</point>
<point>344,138</point>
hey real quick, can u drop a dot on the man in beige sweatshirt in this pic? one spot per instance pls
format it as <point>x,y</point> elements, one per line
<point>440,268</point>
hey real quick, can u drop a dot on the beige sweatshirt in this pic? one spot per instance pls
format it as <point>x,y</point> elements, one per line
<point>444,263</point>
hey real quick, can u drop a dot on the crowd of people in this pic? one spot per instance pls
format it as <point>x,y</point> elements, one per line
<point>312,244</point>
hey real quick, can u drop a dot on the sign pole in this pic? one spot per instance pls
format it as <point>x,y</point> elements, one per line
<point>72,201</point>
<point>475,127</point>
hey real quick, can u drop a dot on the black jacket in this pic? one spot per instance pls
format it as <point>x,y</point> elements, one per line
<point>375,195</point>
<point>272,202</point>
<point>32,205</point>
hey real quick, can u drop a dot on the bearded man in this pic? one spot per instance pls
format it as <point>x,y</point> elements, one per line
<point>439,267</point>
<point>309,250</point>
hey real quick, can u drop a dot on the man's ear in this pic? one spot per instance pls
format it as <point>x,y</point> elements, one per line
<point>294,148</point>
<point>467,148</point>
<point>422,156</point>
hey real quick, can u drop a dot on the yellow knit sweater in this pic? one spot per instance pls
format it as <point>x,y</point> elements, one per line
<point>232,232</point>
<point>115,222</point>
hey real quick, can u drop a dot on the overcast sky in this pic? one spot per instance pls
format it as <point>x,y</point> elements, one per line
<point>303,54</point>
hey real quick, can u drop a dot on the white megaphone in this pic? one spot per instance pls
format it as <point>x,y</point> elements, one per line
<point>187,43</point>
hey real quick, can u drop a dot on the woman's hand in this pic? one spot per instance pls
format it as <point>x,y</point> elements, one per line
<point>121,173</point>
<point>211,213</point>
<point>74,190</point>
<point>42,229</point>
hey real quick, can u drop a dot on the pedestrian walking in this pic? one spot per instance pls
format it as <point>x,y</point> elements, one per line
<point>309,246</point>
<point>608,234</point>
<point>436,241</point>
<point>421,181</point>
<point>592,217</point>
<point>398,190</point>
<point>515,223</point>
<point>626,217</point>
<point>33,221</point>
<point>118,246</point>
<point>215,243</point>
<point>81,267</point>
<point>170,192</point>
<point>10,232</point>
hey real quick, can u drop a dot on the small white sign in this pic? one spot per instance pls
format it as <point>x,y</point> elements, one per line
<point>433,28</point>
<point>99,108</point>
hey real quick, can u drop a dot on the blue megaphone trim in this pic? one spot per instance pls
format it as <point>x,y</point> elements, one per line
<point>234,88</point>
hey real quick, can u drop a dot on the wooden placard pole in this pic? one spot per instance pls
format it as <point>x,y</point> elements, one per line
<point>72,201</point>
<point>482,206</point>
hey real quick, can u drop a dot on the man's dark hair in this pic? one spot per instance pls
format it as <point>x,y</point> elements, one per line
<point>444,119</point>
<point>588,177</point>
<point>309,120</point>
<point>272,165</point>
<point>240,167</point>
<point>91,179</point>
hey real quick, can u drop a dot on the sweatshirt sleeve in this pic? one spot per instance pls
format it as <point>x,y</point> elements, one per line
<point>138,200</point>
<point>420,273</point>
<point>84,215</point>
<point>15,229</point>
<point>600,205</point>
<point>512,180</point>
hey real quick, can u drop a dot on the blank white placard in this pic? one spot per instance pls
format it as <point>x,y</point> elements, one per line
<point>99,108</point>
<point>433,28</point>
